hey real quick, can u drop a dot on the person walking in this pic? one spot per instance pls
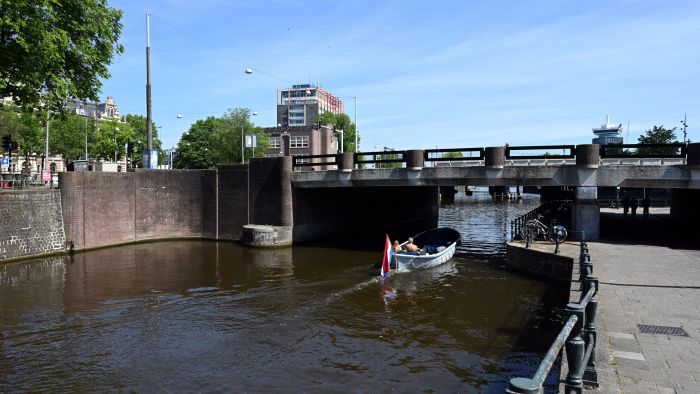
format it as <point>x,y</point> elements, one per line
<point>646,203</point>
<point>633,205</point>
<point>626,204</point>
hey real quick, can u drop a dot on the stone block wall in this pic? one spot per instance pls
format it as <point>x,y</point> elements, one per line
<point>554,267</point>
<point>30,223</point>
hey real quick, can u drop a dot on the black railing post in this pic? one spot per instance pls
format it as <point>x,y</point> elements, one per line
<point>590,376</point>
<point>556,240</point>
<point>575,350</point>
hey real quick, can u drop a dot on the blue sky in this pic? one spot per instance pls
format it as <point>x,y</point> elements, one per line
<point>425,74</point>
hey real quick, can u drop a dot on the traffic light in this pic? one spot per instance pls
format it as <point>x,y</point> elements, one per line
<point>6,142</point>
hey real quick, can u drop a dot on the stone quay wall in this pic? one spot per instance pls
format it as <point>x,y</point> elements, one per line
<point>102,209</point>
<point>30,223</point>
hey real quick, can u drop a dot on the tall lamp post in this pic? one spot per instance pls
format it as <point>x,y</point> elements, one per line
<point>243,138</point>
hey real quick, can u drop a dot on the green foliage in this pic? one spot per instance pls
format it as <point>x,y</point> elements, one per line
<point>67,135</point>
<point>56,49</point>
<point>217,140</point>
<point>658,135</point>
<point>25,127</point>
<point>341,122</point>
<point>452,155</point>
<point>139,138</point>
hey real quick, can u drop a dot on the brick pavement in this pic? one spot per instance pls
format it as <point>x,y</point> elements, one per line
<point>645,284</point>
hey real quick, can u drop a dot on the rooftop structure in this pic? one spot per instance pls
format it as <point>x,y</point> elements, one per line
<point>608,133</point>
<point>300,105</point>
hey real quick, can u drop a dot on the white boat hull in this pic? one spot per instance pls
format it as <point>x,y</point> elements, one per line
<point>409,262</point>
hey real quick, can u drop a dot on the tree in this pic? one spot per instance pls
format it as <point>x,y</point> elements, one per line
<point>658,135</point>
<point>217,140</point>
<point>138,126</point>
<point>452,155</point>
<point>111,138</point>
<point>67,135</point>
<point>56,49</point>
<point>341,122</point>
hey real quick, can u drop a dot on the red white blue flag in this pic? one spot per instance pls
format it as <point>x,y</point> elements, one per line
<point>388,253</point>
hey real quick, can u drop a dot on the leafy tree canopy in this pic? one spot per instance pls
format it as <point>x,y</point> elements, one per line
<point>341,122</point>
<point>137,137</point>
<point>56,49</point>
<point>217,140</point>
<point>658,135</point>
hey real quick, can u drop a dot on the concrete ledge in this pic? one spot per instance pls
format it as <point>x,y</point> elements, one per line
<point>264,236</point>
<point>543,264</point>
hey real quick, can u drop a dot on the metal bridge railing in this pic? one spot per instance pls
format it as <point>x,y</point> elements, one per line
<point>617,154</point>
<point>578,335</point>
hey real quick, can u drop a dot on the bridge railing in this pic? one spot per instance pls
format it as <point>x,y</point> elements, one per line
<point>666,151</point>
<point>547,155</point>
<point>380,157</point>
<point>441,155</point>
<point>313,160</point>
<point>633,154</point>
<point>578,335</point>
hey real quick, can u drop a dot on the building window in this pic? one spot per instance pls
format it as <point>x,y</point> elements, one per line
<point>299,141</point>
<point>275,142</point>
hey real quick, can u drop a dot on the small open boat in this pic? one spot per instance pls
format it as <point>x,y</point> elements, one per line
<point>437,246</point>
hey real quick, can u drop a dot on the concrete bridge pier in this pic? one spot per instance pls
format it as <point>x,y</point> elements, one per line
<point>685,203</point>
<point>585,213</point>
<point>447,193</point>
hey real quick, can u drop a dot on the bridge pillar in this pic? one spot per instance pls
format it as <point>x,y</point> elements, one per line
<point>588,155</point>
<point>345,161</point>
<point>495,157</point>
<point>585,213</point>
<point>414,159</point>
<point>694,154</point>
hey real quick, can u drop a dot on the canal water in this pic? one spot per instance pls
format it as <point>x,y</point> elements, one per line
<point>184,316</point>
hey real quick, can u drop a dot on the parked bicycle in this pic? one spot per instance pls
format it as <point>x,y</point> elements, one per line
<point>535,229</point>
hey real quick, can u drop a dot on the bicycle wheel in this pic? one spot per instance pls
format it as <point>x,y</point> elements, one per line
<point>557,233</point>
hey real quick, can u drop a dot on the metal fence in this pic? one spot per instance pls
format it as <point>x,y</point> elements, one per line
<point>578,335</point>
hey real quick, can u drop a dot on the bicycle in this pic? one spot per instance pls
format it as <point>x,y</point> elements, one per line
<point>535,229</point>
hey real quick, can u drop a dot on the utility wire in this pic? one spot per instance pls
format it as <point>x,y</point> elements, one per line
<point>218,50</point>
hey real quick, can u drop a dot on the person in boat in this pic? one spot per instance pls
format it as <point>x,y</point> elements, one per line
<point>410,247</point>
<point>396,247</point>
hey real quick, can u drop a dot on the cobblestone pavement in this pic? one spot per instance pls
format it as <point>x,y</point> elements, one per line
<point>644,284</point>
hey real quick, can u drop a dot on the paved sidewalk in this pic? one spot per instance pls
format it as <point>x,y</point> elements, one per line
<point>645,284</point>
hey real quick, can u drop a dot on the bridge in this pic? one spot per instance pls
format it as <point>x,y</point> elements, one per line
<point>304,198</point>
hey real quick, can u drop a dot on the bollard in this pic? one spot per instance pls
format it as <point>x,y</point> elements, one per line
<point>575,350</point>
<point>556,249</point>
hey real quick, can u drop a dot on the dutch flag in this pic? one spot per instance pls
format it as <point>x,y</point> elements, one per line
<point>388,253</point>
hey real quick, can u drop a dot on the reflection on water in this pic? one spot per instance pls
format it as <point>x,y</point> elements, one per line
<point>205,316</point>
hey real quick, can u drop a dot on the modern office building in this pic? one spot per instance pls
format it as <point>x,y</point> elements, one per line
<point>301,105</point>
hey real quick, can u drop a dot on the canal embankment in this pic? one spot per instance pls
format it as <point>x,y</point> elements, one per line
<point>648,304</point>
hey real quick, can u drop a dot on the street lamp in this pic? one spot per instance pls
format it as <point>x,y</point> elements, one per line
<point>243,137</point>
<point>341,139</point>
<point>116,129</point>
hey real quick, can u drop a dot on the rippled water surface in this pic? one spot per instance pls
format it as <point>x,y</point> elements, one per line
<point>187,316</point>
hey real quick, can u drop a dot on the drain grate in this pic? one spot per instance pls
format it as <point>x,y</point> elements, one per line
<point>664,330</point>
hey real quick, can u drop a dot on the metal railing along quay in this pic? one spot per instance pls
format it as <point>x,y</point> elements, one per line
<point>578,336</point>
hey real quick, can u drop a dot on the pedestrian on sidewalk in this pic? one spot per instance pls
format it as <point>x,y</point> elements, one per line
<point>645,205</point>
<point>634,205</point>
<point>626,204</point>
